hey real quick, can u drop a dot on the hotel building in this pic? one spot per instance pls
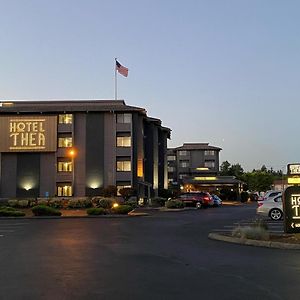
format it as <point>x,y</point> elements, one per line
<point>75,148</point>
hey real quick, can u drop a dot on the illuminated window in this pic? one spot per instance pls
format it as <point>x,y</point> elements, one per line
<point>209,152</point>
<point>64,166</point>
<point>171,157</point>
<point>64,142</point>
<point>183,153</point>
<point>184,164</point>
<point>64,190</point>
<point>181,176</point>
<point>124,166</point>
<point>209,163</point>
<point>171,169</point>
<point>120,187</point>
<point>65,119</point>
<point>124,118</point>
<point>123,141</point>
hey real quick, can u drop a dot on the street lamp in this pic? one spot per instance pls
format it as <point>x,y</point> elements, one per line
<point>72,153</point>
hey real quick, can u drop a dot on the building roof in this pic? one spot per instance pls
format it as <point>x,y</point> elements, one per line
<point>196,146</point>
<point>20,106</point>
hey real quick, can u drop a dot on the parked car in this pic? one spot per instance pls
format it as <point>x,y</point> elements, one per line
<point>272,207</point>
<point>197,199</point>
<point>270,194</point>
<point>217,200</point>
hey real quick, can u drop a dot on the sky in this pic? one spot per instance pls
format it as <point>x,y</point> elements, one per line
<point>222,72</point>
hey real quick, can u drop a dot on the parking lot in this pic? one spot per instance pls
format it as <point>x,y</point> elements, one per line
<point>165,255</point>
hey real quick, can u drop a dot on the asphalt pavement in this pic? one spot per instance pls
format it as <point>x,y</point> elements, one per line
<point>166,255</point>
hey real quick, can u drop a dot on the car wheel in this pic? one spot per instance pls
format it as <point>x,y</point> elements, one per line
<point>275,214</point>
<point>198,205</point>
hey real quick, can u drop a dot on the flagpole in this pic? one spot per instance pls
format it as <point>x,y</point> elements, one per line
<point>116,86</point>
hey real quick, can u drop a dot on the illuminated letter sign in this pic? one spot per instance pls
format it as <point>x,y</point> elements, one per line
<point>291,208</point>
<point>26,134</point>
<point>293,169</point>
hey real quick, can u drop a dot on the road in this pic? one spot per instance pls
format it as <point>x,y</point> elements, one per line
<point>162,256</point>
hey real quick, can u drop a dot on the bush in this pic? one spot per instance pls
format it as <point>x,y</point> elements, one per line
<point>42,202</point>
<point>23,203</point>
<point>251,232</point>
<point>43,210</point>
<point>106,203</point>
<point>13,203</point>
<point>132,202</point>
<point>244,196</point>
<point>122,209</point>
<point>10,212</point>
<point>110,191</point>
<point>56,203</point>
<point>158,201</point>
<point>94,211</point>
<point>79,203</point>
<point>174,204</point>
<point>126,193</point>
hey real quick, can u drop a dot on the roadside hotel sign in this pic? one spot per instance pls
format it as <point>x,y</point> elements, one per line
<point>28,134</point>
<point>291,200</point>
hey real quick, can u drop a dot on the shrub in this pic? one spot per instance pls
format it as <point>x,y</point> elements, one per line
<point>10,212</point>
<point>260,223</point>
<point>132,201</point>
<point>126,193</point>
<point>253,233</point>
<point>106,203</point>
<point>244,196</point>
<point>110,191</point>
<point>23,203</point>
<point>122,209</point>
<point>158,201</point>
<point>95,211</point>
<point>13,203</point>
<point>42,202</point>
<point>56,203</point>
<point>43,210</point>
<point>79,203</point>
<point>174,204</point>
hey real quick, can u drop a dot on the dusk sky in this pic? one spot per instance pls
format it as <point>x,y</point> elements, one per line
<point>219,71</point>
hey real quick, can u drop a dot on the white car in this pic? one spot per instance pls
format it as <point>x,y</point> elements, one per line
<point>270,194</point>
<point>272,207</point>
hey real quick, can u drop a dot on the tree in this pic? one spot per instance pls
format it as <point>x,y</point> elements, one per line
<point>225,168</point>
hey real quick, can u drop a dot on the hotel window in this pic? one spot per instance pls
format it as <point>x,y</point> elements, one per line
<point>171,169</point>
<point>64,166</point>
<point>209,152</point>
<point>124,166</point>
<point>65,119</point>
<point>171,157</point>
<point>122,186</point>
<point>124,141</point>
<point>64,142</point>
<point>209,164</point>
<point>64,190</point>
<point>184,164</point>
<point>124,118</point>
<point>182,153</point>
<point>181,176</point>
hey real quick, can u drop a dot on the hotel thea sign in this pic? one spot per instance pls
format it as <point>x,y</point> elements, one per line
<point>26,134</point>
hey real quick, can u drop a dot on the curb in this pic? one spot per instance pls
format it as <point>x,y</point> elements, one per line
<point>248,242</point>
<point>130,215</point>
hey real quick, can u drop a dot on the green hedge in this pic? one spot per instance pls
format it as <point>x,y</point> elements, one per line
<point>106,203</point>
<point>121,209</point>
<point>174,204</point>
<point>96,211</point>
<point>43,210</point>
<point>10,212</point>
<point>79,203</point>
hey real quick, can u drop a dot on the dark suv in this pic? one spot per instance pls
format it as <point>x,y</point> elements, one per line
<point>197,199</point>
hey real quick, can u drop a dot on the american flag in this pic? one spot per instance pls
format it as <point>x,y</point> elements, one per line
<point>121,69</point>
